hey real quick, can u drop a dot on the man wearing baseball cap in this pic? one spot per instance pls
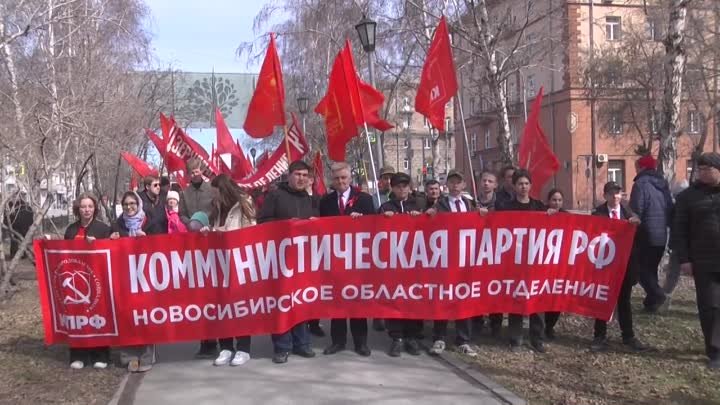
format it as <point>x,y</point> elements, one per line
<point>613,208</point>
<point>404,332</point>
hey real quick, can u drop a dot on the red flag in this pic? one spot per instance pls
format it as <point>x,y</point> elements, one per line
<point>534,153</point>
<point>240,166</point>
<point>225,141</point>
<point>438,82</point>
<point>138,165</point>
<point>133,182</point>
<point>166,125</point>
<point>172,162</point>
<point>267,106</point>
<point>319,184</point>
<point>372,101</point>
<point>180,179</point>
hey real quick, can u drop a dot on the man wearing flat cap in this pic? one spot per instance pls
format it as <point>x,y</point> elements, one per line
<point>651,201</point>
<point>386,173</point>
<point>695,240</point>
<point>403,332</point>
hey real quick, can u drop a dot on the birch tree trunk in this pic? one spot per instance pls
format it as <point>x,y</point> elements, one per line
<point>674,69</point>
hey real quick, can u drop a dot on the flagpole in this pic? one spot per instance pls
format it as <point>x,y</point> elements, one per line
<point>287,144</point>
<point>372,163</point>
<point>467,147</point>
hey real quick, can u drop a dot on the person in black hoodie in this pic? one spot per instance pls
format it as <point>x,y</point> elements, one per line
<point>346,200</point>
<point>695,240</point>
<point>652,202</point>
<point>89,228</point>
<point>291,201</point>
<point>409,329</point>
<point>523,202</point>
<point>612,208</point>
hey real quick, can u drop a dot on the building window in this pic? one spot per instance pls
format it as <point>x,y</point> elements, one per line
<point>447,124</point>
<point>613,28</point>
<point>653,31</point>
<point>513,134</point>
<point>615,125</point>
<point>427,143</point>
<point>473,143</point>
<point>616,172</point>
<point>406,164</point>
<point>655,122</point>
<point>473,106</point>
<point>426,124</point>
<point>693,123</point>
<point>530,85</point>
<point>406,143</point>
<point>487,138</point>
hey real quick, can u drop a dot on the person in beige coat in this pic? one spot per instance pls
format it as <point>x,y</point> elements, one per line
<point>232,209</point>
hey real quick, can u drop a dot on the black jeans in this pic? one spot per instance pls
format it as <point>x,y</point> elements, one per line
<point>90,355</point>
<point>404,328</point>
<point>624,310</point>
<point>707,290</point>
<point>463,330</point>
<point>647,259</point>
<point>358,329</point>
<point>496,321</point>
<point>551,319</point>
<point>515,323</point>
<point>241,344</point>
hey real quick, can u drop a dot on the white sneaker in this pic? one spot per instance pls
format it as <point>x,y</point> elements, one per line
<point>100,365</point>
<point>77,365</point>
<point>438,347</point>
<point>240,358</point>
<point>223,358</point>
<point>467,350</point>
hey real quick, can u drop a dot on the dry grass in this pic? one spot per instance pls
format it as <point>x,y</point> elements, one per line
<point>35,374</point>
<point>673,373</point>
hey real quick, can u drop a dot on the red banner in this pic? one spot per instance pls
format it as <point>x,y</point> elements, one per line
<point>270,277</point>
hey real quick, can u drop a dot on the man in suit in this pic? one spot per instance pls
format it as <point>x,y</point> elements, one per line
<point>453,202</point>
<point>613,209</point>
<point>346,200</point>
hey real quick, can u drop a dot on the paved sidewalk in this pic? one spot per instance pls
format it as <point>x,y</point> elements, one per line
<point>343,378</point>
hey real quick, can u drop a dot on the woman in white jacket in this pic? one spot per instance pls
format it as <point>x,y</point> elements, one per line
<point>232,209</point>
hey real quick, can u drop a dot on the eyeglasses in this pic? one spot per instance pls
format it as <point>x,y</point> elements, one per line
<point>129,204</point>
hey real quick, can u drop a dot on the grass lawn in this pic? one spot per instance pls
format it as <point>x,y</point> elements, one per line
<point>674,372</point>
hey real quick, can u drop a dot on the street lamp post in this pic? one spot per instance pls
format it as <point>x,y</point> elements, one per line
<point>252,154</point>
<point>406,113</point>
<point>366,31</point>
<point>303,105</point>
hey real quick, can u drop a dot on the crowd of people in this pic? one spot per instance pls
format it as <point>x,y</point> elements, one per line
<point>687,225</point>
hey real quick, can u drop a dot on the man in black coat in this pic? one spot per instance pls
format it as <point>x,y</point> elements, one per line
<point>695,240</point>
<point>154,206</point>
<point>453,202</point>
<point>291,200</point>
<point>403,332</point>
<point>346,200</point>
<point>613,209</point>
<point>651,201</point>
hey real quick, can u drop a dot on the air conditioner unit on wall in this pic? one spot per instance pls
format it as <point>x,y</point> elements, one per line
<point>602,158</point>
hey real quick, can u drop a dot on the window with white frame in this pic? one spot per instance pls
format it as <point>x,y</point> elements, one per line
<point>653,30</point>
<point>530,85</point>
<point>426,123</point>
<point>616,172</point>
<point>473,143</point>
<point>513,133</point>
<point>613,28</point>
<point>448,121</point>
<point>406,163</point>
<point>427,144</point>
<point>406,143</point>
<point>693,122</point>
<point>615,125</point>
<point>487,138</point>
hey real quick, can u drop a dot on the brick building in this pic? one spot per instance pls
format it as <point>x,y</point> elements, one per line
<point>592,147</point>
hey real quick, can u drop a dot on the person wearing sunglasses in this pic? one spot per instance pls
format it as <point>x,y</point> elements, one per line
<point>154,205</point>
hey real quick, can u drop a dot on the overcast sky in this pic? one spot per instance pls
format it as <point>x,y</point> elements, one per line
<point>199,35</point>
